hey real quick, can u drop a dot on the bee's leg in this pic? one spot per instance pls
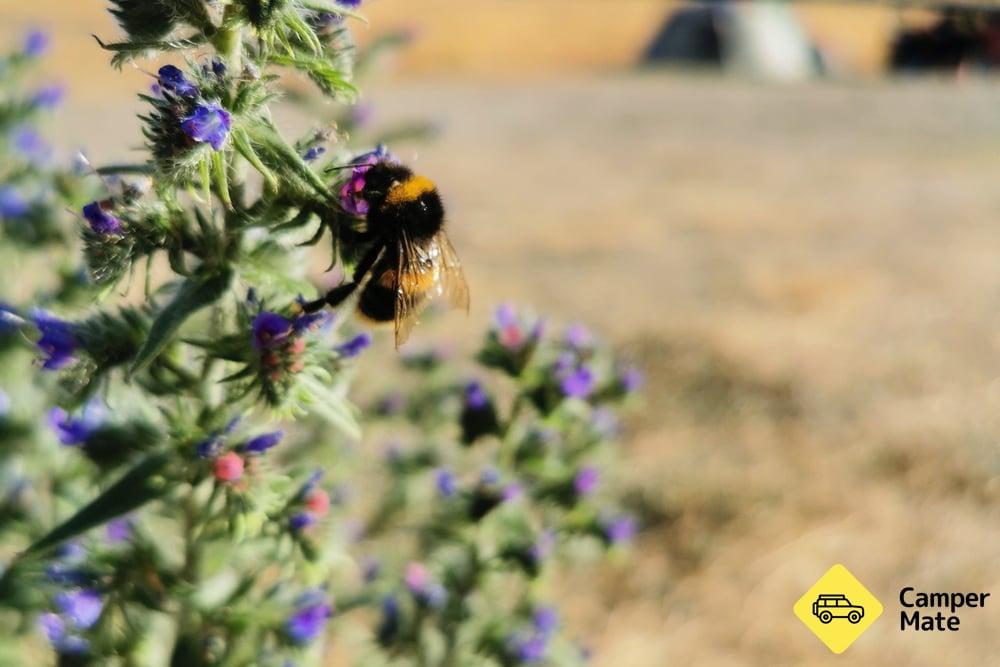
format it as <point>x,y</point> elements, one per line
<point>339,294</point>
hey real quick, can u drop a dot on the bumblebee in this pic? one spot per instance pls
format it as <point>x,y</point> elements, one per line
<point>410,261</point>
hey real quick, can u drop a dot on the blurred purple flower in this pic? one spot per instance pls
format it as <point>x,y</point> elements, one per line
<point>311,614</point>
<point>12,203</point>
<point>48,97</point>
<point>545,620</point>
<point>578,384</point>
<point>620,530</point>
<point>36,43</point>
<point>208,123</point>
<point>301,521</point>
<point>444,480</point>
<point>57,342</point>
<point>262,443</point>
<point>632,379</point>
<point>208,448</point>
<point>29,143</point>
<point>355,346</point>
<point>475,395</point>
<point>54,628</point>
<point>81,607</point>
<point>313,153</point>
<point>512,492</point>
<point>119,530</point>
<point>76,430</point>
<point>586,481</point>
<point>579,336</point>
<point>102,222</point>
<point>528,648</point>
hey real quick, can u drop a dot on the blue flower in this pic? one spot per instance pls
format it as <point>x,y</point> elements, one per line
<point>475,396</point>
<point>58,341</point>
<point>620,530</point>
<point>355,346</point>
<point>528,648</point>
<point>77,430</point>
<point>391,620</point>
<point>545,620</point>
<point>172,79</point>
<point>301,521</point>
<point>444,480</point>
<point>101,221</point>
<point>48,97</point>
<point>578,383</point>
<point>12,203</point>
<point>349,3</point>
<point>36,43</point>
<point>118,530</point>
<point>270,329</point>
<point>54,628</point>
<point>82,607</point>
<point>208,123</point>
<point>208,448</point>
<point>309,618</point>
<point>30,144</point>
<point>262,443</point>
<point>313,153</point>
<point>586,481</point>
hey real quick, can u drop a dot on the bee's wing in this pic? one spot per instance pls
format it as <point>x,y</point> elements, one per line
<point>453,284</point>
<point>424,272</point>
<point>416,268</point>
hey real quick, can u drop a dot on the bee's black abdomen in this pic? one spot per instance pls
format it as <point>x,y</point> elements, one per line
<point>377,302</point>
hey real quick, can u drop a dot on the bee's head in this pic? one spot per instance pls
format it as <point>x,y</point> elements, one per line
<point>400,199</point>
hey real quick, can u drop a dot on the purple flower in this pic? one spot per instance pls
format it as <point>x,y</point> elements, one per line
<point>270,329</point>
<point>301,521</point>
<point>528,649</point>
<point>208,123</point>
<point>172,79</point>
<point>586,481</point>
<point>30,144</point>
<point>118,530</point>
<point>313,153</point>
<point>444,480</point>
<point>632,379</point>
<point>351,192</point>
<point>36,43</point>
<point>57,342</point>
<point>48,97</point>
<point>355,346</point>
<point>76,430</point>
<point>310,321</point>
<point>545,620</point>
<point>311,614</point>
<point>54,628</point>
<point>218,67</point>
<point>578,336</point>
<point>208,448</point>
<point>620,530</point>
<point>262,443</point>
<point>12,203</point>
<point>101,221</point>
<point>475,396</point>
<point>578,384</point>
<point>512,492</point>
<point>82,607</point>
<point>349,3</point>
<point>505,316</point>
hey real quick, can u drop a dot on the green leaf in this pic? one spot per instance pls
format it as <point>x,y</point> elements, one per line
<point>141,484</point>
<point>198,291</point>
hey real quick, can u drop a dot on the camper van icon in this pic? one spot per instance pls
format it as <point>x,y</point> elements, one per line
<point>828,607</point>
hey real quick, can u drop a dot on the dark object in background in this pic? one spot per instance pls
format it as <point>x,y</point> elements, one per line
<point>689,36</point>
<point>962,36</point>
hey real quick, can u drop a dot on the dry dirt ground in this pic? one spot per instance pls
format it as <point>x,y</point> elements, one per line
<point>810,276</point>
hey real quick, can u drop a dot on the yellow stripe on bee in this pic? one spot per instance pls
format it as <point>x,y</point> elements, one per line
<point>409,190</point>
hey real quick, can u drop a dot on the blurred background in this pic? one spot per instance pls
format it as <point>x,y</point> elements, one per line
<point>788,213</point>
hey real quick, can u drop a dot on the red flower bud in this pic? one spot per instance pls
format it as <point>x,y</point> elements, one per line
<point>228,467</point>
<point>318,502</point>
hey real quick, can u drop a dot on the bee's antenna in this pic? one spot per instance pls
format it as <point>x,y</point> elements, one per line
<point>347,166</point>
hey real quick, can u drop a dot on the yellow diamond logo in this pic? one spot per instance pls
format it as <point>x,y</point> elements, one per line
<point>838,608</point>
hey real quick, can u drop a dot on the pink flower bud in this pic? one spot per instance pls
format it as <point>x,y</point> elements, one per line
<point>228,467</point>
<point>318,502</point>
